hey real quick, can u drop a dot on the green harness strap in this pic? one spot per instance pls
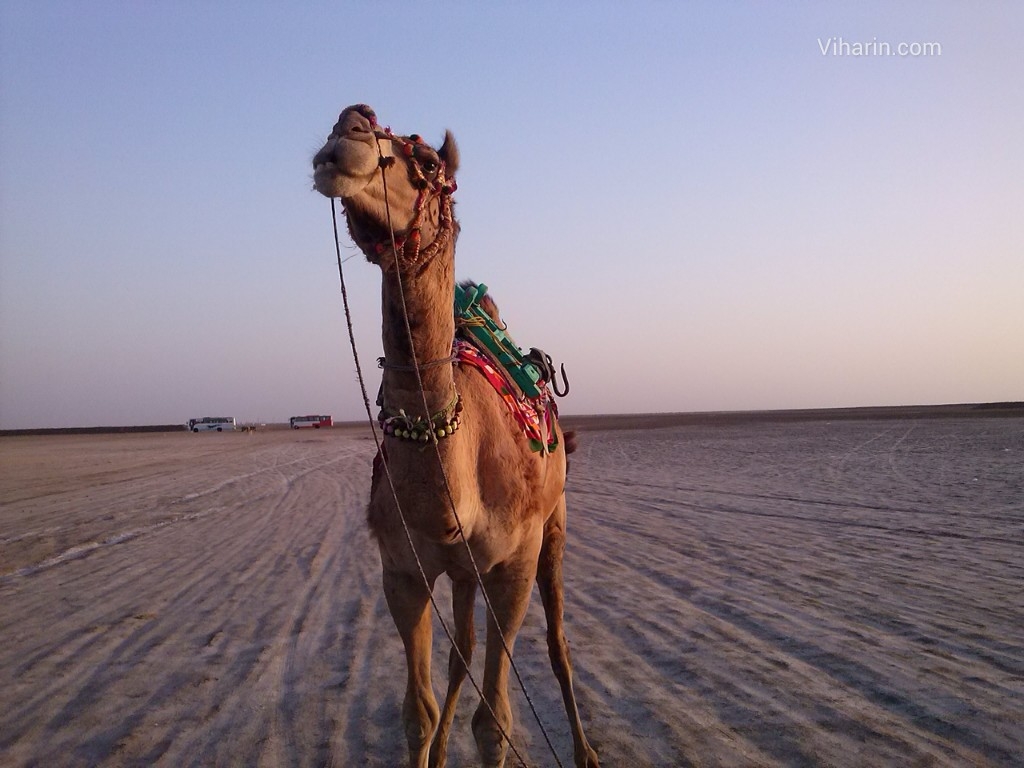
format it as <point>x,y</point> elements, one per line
<point>494,340</point>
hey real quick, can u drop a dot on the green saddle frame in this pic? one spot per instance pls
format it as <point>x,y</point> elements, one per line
<point>481,329</point>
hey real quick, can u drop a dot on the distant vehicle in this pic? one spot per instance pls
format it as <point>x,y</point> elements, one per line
<point>314,422</point>
<point>212,423</point>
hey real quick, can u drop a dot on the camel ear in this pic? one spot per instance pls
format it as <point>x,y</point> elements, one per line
<point>449,152</point>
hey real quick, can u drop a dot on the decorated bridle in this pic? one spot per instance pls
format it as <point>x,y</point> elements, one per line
<point>429,177</point>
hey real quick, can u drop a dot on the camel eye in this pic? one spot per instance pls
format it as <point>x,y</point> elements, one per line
<point>429,166</point>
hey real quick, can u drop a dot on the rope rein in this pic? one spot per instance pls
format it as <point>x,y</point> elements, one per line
<point>383,363</point>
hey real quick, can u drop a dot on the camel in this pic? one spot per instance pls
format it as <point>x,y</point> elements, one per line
<point>471,477</point>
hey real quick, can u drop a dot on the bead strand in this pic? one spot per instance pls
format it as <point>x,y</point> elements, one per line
<point>419,429</point>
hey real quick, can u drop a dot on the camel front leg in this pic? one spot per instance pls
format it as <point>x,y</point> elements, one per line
<point>509,589</point>
<point>549,579</point>
<point>408,599</point>
<point>463,594</point>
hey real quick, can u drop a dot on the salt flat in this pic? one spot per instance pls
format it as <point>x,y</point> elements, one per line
<point>776,594</point>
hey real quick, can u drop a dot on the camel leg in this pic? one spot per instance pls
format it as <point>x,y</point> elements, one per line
<point>409,601</point>
<point>509,589</point>
<point>549,579</point>
<point>463,595</point>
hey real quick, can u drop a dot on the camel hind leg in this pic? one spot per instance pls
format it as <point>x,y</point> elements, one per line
<point>549,580</point>
<point>463,596</point>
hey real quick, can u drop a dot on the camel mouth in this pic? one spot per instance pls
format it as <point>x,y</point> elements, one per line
<point>345,165</point>
<point>332,180</point>
<point>324,174</point>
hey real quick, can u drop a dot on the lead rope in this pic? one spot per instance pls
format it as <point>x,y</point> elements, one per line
<point>444,475</point>
<point>398,506</point>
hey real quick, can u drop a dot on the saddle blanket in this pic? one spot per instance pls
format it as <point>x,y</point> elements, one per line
<point>536,415</point>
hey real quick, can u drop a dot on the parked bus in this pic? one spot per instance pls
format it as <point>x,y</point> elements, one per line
<point>211,423</point>
<point>314,422</point>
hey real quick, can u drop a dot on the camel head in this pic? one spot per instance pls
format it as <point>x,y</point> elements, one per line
<point>389,184</point>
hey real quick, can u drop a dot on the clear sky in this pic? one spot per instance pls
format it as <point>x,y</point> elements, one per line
<point>695,206</point>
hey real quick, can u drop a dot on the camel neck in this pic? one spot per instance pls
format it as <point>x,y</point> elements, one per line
<point>428,304</point>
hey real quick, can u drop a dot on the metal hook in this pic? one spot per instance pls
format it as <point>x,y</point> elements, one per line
<point>547,366</point>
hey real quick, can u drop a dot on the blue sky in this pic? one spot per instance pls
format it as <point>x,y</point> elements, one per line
<point>689,204</point>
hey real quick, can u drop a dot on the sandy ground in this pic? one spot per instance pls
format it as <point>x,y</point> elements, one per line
<point>814,594</point>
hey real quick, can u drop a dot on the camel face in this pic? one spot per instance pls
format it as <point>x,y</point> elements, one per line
<point>395,190</point>
<point>347,163</point>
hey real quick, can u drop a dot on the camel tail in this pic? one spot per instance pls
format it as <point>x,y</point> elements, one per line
<point>569,438</point>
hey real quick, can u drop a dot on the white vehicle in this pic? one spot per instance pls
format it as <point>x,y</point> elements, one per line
<point>212,423</point>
